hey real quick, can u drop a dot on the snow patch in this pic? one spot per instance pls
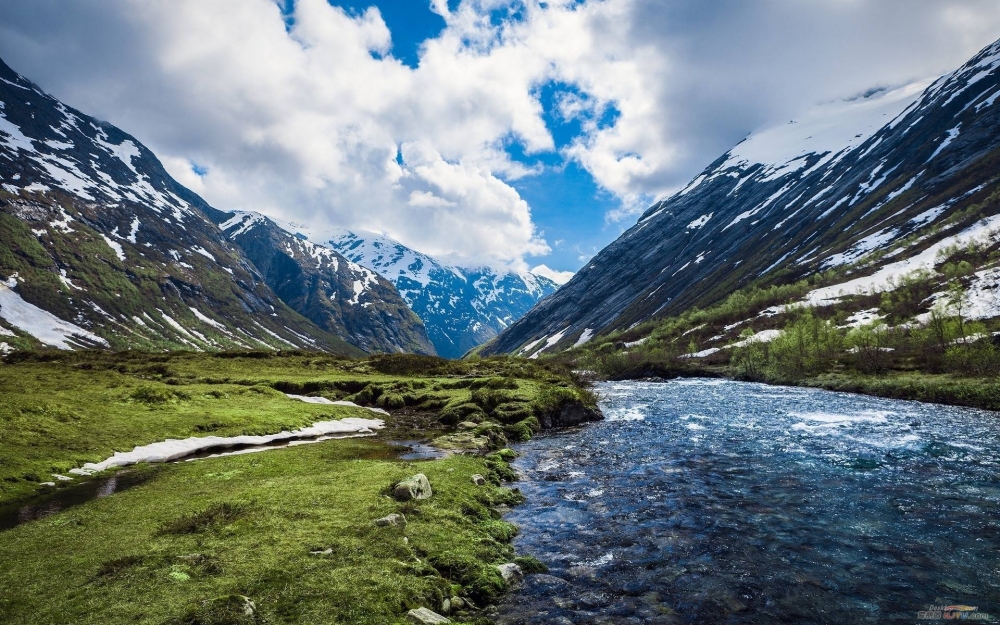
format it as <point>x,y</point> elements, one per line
<point>41,324</point>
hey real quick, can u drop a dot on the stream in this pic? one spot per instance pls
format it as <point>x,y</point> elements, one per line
<point>712,501</point>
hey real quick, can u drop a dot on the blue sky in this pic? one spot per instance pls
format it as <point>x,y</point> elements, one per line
<point>510,132</point>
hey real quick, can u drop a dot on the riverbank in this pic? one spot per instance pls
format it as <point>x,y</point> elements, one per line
<point>286,535</point>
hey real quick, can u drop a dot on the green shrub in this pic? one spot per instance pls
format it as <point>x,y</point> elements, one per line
<point>531,565</point>
<point>522,431</point>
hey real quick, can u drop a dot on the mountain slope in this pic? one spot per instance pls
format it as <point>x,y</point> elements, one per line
<point>829,192</point>
<point>462,307</point>
<point>339,296</point>
<point>100,247</point>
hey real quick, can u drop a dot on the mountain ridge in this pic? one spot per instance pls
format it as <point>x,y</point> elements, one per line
<point>101,247</point>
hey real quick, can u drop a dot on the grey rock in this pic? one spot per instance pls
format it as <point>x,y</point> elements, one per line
<point>467,425</point>
<point>423,616</point>
<point>478,479</point>
<point>395,520</point>
<point>510,572</point>
<point>446,606</point>
<point>416,487</point>
<point>457,603</point>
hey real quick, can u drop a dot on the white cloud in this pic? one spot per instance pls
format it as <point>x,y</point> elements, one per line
<point>559,277</point>
<point>318,123</point>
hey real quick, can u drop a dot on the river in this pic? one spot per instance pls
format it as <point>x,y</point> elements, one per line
<point>710,501</point>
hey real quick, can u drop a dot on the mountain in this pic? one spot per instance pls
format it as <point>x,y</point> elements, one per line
<point>860,192</point>
<point>462,307</point>
<point>336,294</point>
<point>100,247</point>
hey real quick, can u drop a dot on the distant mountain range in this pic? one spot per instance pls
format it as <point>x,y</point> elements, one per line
<point>865,190</point>
<point>462,307</point>
<point>100,247</point>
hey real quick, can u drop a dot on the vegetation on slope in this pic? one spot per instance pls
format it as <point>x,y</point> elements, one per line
<point>915,340</point>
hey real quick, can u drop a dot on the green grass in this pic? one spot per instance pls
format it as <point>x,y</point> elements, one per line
<point>247,525</point>
<point>290,530</point>
<point>61,410</point>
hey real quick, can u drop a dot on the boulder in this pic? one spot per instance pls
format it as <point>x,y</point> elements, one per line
<point>395,520</point>
<point>457,603</point>
<point>510,572</point>
<point>478,479</point>
<point>416,487</point>
<point>423,616</point>
<point>570,414</point>
<point>467,425</point>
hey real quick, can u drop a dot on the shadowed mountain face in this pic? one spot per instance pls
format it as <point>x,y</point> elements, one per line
<point>100,247</point>
<point>462,307</point>
<point>844,181</point>
<point>339,296</point>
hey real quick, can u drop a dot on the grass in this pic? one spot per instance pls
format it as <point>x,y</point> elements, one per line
<point>174,549</point>
<point>285,536</point>
<point>61,410</point>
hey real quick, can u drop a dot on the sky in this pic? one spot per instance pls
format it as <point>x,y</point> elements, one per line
<point>518,133</point>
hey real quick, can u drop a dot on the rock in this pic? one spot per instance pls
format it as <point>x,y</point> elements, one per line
<point>423,616</point>
<point>478,479</point>
<point>457,603</point>
<point>416,487</point>
<point>467,425</point>
<point>510,572</point>
<point>446,606</point>
<point>395,520</point>
<point>570,414</point>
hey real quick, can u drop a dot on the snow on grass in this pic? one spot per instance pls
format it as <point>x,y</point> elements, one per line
<point>880,280</point>
<point>328,402</point>
<point>61,225</point>
<point>173,449</point>
<point>206,319</point>
<point>275,335</point>
<point>133,231</point>
<point>764,336</point>
<point>862,247</point>
<point>929,215</point>
<point>862,317</point>
<point>41,324</point>
<point>204,252</point>
<point>584,338</point>
<point>114,245</point>
<point>549,342</point>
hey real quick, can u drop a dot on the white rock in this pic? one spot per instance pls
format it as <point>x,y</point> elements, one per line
<point>423,616</point>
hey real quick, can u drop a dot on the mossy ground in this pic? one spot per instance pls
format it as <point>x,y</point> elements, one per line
<point>248,525</point>
<point>191,540</point>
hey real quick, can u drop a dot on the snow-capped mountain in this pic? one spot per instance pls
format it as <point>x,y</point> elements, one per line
<point>905,168</point>
<point>462,307</point>
<point>100,247</point>
<point>336,294</point>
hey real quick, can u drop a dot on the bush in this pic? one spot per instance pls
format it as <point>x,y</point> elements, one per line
<point>522,431</point>
<point>530,565</point>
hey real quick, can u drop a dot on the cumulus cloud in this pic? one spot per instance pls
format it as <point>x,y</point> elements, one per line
<point>309,116</point>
